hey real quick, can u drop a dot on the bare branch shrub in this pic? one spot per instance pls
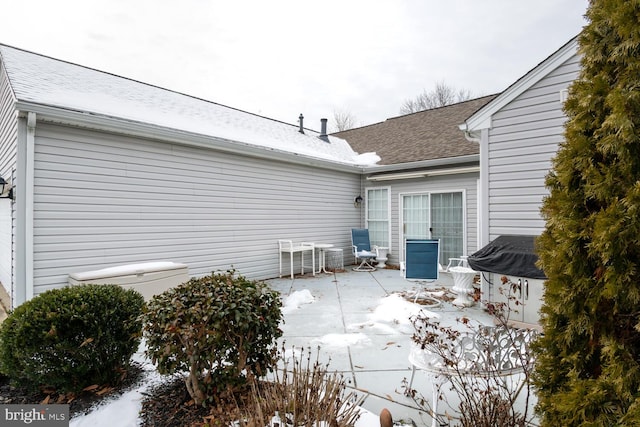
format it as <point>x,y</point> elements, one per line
<point>487,369</point>
<point>304,393</point>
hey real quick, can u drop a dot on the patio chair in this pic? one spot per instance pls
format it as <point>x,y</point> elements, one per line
<point>361,246</point>
<point>422,259</point>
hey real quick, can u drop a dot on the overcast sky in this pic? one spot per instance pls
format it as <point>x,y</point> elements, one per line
<point>280,58</point>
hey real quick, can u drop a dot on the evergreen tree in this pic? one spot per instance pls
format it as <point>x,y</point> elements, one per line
<point>588,369</point>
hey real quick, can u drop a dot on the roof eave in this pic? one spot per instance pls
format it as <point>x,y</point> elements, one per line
<point>481,119</point>
<point>150,131</point>
<point>423,164</point>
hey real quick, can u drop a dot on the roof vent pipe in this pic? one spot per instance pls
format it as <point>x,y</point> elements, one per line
<point>301,121</point>
<point>323,130</point>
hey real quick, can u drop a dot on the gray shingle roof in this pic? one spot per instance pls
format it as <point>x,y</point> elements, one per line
<point>426,135</point>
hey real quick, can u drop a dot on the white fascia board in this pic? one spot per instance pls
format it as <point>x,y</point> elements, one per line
<point>423,164</point>
<point>424,173</point>
<point>482,118</point>
<point>148,131</point>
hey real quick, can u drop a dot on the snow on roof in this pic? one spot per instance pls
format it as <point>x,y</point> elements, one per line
<point>47,81</point>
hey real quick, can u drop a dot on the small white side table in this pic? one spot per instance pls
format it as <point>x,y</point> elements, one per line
<point>287,246</point>
<point>322,247</point>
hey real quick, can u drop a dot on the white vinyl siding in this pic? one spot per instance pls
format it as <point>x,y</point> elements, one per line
<point>523,139</point>
<point>8,144</point>
<point>103,200</point>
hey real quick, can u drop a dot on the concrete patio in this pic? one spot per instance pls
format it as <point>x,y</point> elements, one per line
<point>374,353</point>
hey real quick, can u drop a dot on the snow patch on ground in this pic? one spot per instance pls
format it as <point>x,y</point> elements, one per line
<point>297,299</point>
<point>392,315</point>
<point>342,340</point>
<point>124,409</point>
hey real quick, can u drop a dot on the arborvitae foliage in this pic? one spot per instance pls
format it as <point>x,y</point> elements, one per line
<point>588,369</point>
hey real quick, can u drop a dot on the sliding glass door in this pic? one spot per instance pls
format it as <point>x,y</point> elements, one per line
<point>415,214</point>
<point>435,216</point>
<point>447,224</point>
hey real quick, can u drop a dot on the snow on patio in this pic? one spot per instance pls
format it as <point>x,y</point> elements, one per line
<point>296,300</point>
<point>393,315</point>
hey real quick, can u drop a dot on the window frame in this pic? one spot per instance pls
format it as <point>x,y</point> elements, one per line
<point>388,214</point>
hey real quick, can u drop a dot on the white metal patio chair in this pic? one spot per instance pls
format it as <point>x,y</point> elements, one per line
<point>490,352</point>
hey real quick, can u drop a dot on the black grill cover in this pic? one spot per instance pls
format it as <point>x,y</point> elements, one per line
<point>509,255</point>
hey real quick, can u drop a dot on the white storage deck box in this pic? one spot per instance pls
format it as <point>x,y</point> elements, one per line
<point>150,278</point>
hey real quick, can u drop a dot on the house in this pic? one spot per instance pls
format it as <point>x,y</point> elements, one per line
<point>519,132</point>
<point>109,171</point>
<point>426,183</point>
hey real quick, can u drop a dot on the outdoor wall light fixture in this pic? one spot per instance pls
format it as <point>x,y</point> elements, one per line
<point>357,201</point>
<point>6,190</point>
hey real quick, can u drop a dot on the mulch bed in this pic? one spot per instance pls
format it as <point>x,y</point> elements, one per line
<point>165,405</point>
<point>80,403</point>
<point>169,404</point>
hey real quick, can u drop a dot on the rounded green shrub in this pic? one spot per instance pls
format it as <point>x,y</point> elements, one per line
<point>71,337</point>
<point>219,329</point>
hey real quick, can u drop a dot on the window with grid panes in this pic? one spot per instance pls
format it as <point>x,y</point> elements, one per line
<point>378,217</point>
